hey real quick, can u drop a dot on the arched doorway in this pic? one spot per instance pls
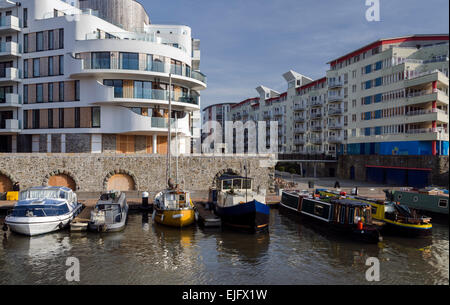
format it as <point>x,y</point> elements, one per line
<point>5,184</point>
<point>121,182</point>
<point>62,180</point>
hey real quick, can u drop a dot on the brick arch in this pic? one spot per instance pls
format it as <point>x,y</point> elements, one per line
<point>120,172</point>
<point>6,182</point>
<point>224,171</point>
<point>62,172</point>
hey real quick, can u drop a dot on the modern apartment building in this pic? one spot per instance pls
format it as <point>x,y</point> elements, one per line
<point>73,82</point>
<point>387,98</point>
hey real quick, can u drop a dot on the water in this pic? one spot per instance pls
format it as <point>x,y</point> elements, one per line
<point>292,253</point>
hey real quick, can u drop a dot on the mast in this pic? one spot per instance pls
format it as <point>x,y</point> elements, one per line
<point>169,132</point>
<point>176,144</point>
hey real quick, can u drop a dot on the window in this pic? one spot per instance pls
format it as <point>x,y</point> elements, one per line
<point>61,117</point>
<point>35,118</point>
<point>101,60</point>
<point>25,43</point>
<point>149,62</point>
<point>77,117</point>
<point>318,210</point>
<point>25,94</point>
<point>61,38</point>
<point>378,65</point>
<point>25,17</point>
<point>95,113</point>
<point>50,118</point>
<point>443,203</point>
<point>368,69</point>
<point>25,68</point>
<point>50,92</point>
<point>36,67</point>
<point>50,66</point>
<point>368,84</point>
<point>3,92</point>
<point>39,41</point>
<point>39,93</point>
<point>129,61</point>
<point>77,90</point>
<point>25,119</point>
<point>378,81</point>
<point>61,64</point>
<point>117,84</point>
<point>61,91</point>
<point>142,89</point>
<point>51,40</point>
<point>378,98</point>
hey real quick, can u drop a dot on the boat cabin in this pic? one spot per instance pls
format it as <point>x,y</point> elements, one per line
<point>174,199</point>
<point>347,211</point>
<point>233,182</point>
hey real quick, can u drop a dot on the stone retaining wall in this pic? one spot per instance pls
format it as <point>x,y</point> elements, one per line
<point>92,171</point>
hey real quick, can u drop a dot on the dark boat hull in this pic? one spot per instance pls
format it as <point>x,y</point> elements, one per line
<point>393,229</point>
<point>252,216</point>
<point>368,234</point>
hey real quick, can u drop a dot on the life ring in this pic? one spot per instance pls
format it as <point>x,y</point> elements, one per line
<point>416,198</point>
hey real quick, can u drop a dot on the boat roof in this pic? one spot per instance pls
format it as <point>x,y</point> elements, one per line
<point>226,176</point>
<point>349,202</point>
<point>47,202</point>
<point>64,188</point>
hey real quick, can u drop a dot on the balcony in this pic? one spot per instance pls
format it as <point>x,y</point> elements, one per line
<point>335,84</point>
<point>12,100</point>
<point>332,98</point>
<point>335,140</point>
<point>299,119</point>
<point>316,141</point>
<point>299,141</point>
<point>10,127</point>
<point>114,68</point>
<point>267,116</point>
<point>335,125</point>
<point>278,112</point>
<point>9,75</point>
<point>299,107</point>
<point>299,130</point>
<point>316,115</point>
<point>10,50</point>
<point>316,103</point>
<point>316,128</point>
<point>335,111</point>
<point>9,25</point>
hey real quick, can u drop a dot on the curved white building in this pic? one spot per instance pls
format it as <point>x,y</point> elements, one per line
<point>73,82</point>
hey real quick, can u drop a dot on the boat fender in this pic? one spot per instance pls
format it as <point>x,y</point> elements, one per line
<point>61,225</point>
<point>196,216</point>
<point>5,227</point>
<point>360,225</point>
<point>153,215</point>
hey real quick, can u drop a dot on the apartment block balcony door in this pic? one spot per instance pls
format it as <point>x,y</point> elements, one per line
<point>5,115</point>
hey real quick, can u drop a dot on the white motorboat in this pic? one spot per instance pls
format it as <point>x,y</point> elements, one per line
<point>110,213</point>
<point>42,210</point>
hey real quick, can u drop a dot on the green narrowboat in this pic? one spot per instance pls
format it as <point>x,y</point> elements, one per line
<point>422,200</point>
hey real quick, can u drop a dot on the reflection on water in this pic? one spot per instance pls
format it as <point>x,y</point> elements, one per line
<point>291,253</point>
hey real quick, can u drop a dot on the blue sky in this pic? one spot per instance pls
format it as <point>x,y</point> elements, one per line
<point>247,43</point>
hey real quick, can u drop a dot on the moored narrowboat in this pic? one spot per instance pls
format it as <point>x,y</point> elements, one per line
<point>428,201</point>
<point>349,217</point>
<point>395,218</point>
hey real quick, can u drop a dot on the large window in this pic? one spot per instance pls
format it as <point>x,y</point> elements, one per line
<point>3,92</point>
<point>50,66</point>
<point>95,117</point>
<point>35,122</point>
<point>36,67</point>
<point>61,38</point>
<point>4,66</point>
<point>101,60</point>
<point>39,93</point>
<point>50,118</point>
<point>117,84</point>
<point>39,41</point>
<point>129,61</point>
<point>25,43</point>
<point>25,17</point>
<point>61,117</point>
<point>142,89</point>
<point>50,92</point>
<point>61,91</point>
<point>25,94</point>
<point>61,64</point>
<point>77,90</point>
<point>51,40</point>
<point>77,117</point>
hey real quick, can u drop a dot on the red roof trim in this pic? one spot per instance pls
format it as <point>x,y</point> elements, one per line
<point>397,167</point>
<point>313,83</point>
<point>245,101</point>
<point>384,42</point>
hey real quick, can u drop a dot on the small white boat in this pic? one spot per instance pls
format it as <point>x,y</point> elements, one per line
<point>110,213</point>
<point>42,210</point>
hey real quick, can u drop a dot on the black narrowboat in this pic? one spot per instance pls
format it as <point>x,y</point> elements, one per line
<point>349,217</point>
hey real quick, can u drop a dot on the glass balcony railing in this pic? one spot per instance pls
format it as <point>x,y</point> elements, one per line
<point>158,94</point>
<point>135,64</point>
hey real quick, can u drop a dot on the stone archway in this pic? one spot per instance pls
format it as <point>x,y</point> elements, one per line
<point>6,183</point>
<point>228,171</point>
<point>120,180</point>
<point>61,178</point>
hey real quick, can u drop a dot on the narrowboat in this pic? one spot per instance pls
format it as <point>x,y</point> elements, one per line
<point>395,218</point>
<point>43,210</point>
<point>110,213</point>
<point>239,206</point>
<point>433,201</point>
<point>349,217</point>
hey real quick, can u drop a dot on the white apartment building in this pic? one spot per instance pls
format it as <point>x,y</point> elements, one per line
<point>72,82</point>
<point>388,98</point>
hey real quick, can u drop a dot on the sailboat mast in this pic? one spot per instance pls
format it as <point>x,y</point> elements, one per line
<point>176,145</point>
<point>170,133</point>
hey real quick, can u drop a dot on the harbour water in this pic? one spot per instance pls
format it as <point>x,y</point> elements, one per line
<point>291,253</point>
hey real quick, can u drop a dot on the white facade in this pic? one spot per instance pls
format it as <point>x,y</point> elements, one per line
<point>73,75</point>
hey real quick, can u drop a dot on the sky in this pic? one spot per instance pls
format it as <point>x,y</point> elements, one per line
<point>247,43</point>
